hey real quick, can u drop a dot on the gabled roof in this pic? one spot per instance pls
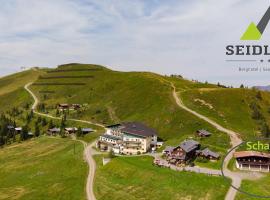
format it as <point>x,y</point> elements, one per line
<point>139,129</point>
<point>87,130</point>
<point>10,127</point>
<point>18,128</point>
<point>54,130</point>
<point>71,129</point>
<point>204,132</point>
<point>113,126</point>
<point>243,154</point>
<point>30,133</point>
<point>169,149</point>
<point>206,152</point>
<point>63,104</point>
<point>189,145</point>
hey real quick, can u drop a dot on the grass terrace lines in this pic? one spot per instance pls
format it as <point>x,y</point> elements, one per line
<point>72,70</point>
<point>71,84</point>
<point>46,92</point>
<point>59,77</point>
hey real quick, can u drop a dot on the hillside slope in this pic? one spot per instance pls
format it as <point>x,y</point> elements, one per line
<point>12,93</point>
<point>43,168</point>
<point>243,110</point>
<point>110,97</point>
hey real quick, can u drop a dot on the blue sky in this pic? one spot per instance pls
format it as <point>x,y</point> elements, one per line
<point>185,37</point>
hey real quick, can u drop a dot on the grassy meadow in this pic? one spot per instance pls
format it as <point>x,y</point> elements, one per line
<point>43,168</point>
<point>12,92</point>
<point>135,178</point>
<point>230,107</point>
<point>110,97</point>
<point>259,187</point>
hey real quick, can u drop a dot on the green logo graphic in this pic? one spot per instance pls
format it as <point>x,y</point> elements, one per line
<point>254,32</point>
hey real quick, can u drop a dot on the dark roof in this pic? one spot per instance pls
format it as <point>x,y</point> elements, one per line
<point>169,149</point>
<point>87,130</point>
<point>206,152</point>
<point>243,154</point>
<point>10,127</point>
<point>204,132</point>
<point>189,145</point>
<point>139,129</point>
<point>54,130</point>
<point>63,104</point>
<point>113,126</point>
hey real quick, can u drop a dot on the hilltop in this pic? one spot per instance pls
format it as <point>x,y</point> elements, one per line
<point>110,97</point>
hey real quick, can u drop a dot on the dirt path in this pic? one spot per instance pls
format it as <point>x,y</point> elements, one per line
<point>235,140</point>
<point>88,156</point>
<point>88,151</point>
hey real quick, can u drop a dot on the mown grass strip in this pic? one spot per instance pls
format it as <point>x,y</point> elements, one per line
<point>72,70</point>
<point>46,92</point>
<point>59,77</point>
<point>72,84</point>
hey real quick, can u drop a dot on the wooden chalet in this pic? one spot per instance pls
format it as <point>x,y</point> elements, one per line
<point>53,131</point>
<point>18,129</point>
<point>75,106</point>
<point>71,130</point>
<point>183,153</point>
<point>208,154</point>
<point>10,127</point>
<point>87,130</point>
<point>252,161</point>
<point>30,135</point>
<point>203,133</point>
<point>63,106</point>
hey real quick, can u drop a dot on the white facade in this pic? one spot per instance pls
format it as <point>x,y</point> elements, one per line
<point>123,143</point>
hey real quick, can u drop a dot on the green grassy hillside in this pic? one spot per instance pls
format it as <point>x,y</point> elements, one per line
<point>12,93</point>
<point>232,108</point>
<point>136,178</point>
<point>259,187</point>
<point>43,168</point>
<point>109,97</point>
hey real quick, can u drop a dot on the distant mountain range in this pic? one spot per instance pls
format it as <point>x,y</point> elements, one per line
<point>263,88</point>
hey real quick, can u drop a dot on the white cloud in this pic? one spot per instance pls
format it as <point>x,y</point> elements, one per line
<point>185,36</point>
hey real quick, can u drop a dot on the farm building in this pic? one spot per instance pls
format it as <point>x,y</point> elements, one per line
<point>75,106</point>
<point>10,127</point>
<point>71,130</point>
<point>252,160</point>
<point>63,106</point>
<point>206,153</point>
<point>183,153</point>
<point>87,130</point>
<point>18,129</point>
<point>53,131</point>
<point>203,133</point>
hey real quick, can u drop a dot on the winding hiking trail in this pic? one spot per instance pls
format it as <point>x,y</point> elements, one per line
<point>235,140</point>
<point>88,151</point>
